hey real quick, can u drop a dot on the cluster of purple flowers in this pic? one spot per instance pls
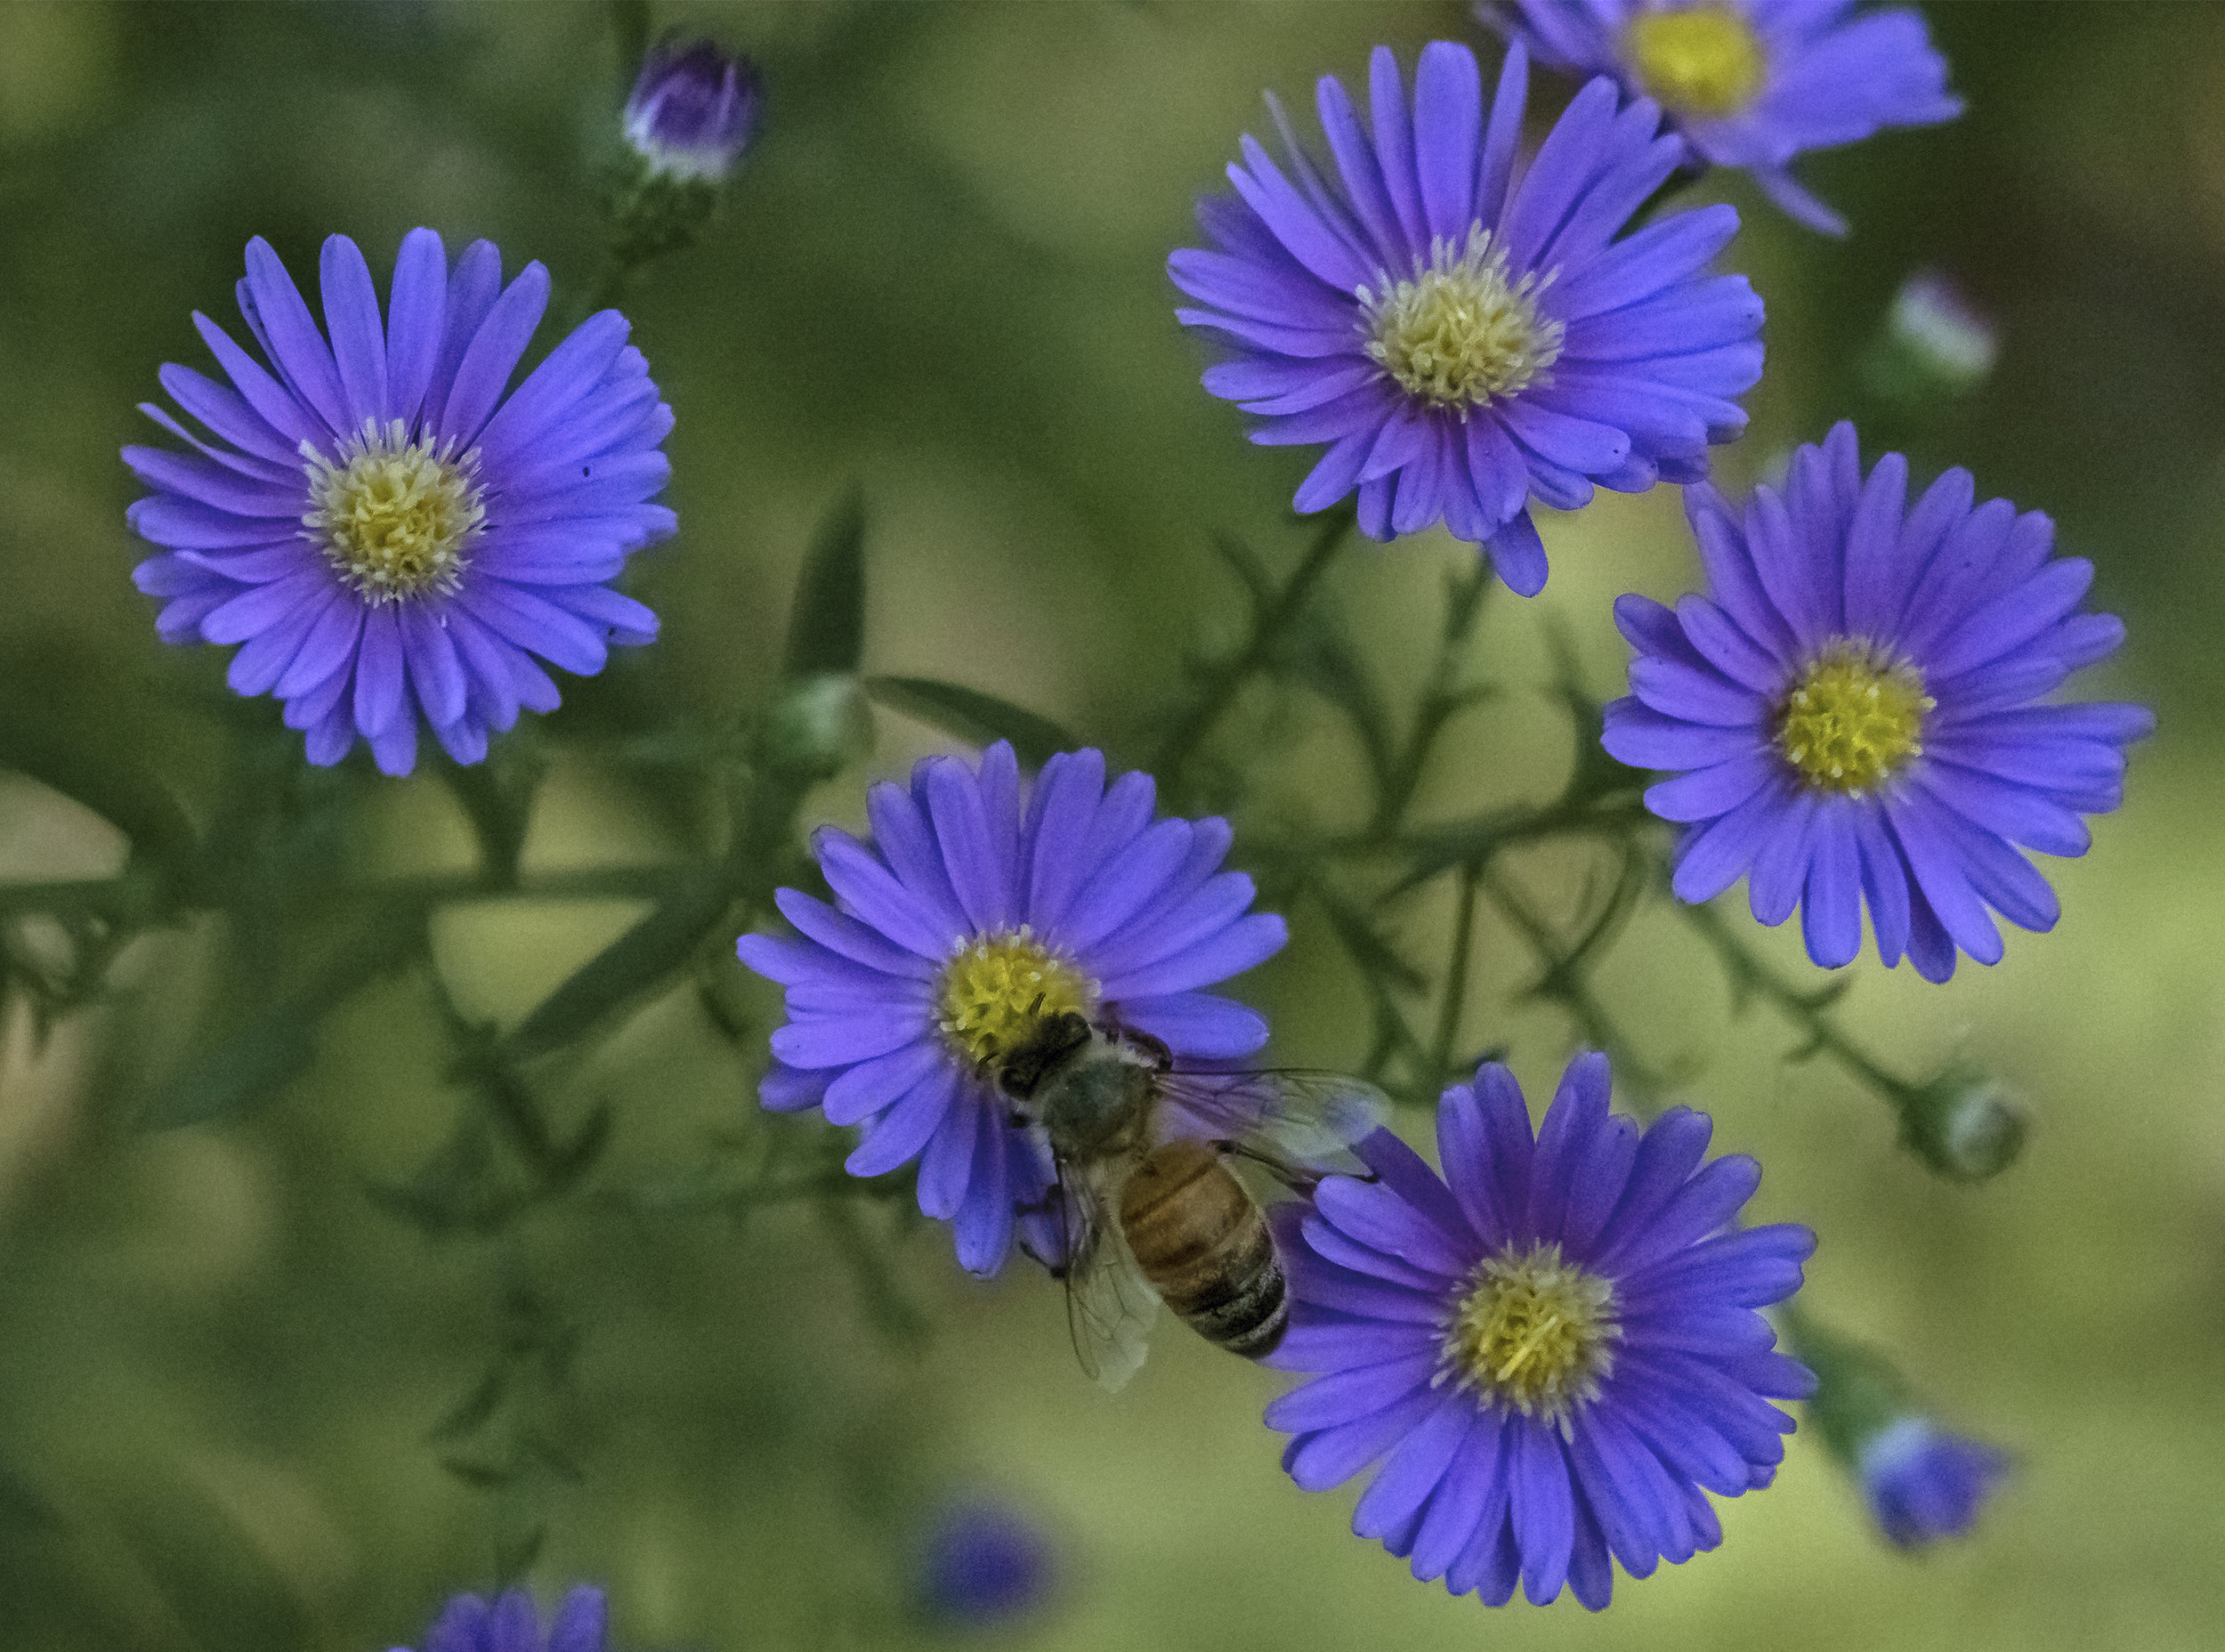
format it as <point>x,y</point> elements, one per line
<point>1557,1350</point>
<point>1553,1348</point>
<point>1857,710</point>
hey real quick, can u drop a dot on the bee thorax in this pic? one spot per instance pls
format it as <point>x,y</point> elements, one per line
<point>1096,1101</point>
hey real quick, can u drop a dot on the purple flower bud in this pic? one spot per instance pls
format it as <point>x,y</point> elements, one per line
<point>693,110</point>
<point>1922,1483</point>
<point>983,1563</point>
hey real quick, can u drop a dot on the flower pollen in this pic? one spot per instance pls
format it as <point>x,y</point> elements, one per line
<point>1532,1333</point>
<point>997,989</point>
<point>1461,332</point>
<point>394,516</point>
<point>1702,59</point>
<point>1853,718</point>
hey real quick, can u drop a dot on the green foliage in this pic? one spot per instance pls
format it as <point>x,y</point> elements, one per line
<point>973,717</point>
<point>275,1046</point>
<point>637,963</point>
<point>826,624</point>
<point>44,735</point>
<point>491,1252</point>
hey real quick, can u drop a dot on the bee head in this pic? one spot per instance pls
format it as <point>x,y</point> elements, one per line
<point>1050,1041</point>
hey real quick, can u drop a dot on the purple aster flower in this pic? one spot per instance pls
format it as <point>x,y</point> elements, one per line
<point>1554,1350</point>
<point>692,111</point>
<point>384,530</point>
<point>1923,1484</point>
<point>1750,83</point>
<point>983,1563</point>
<point>972,915</point>
<point>1464,335</point>
<point>1855,710</point>
<point>470,1624</point>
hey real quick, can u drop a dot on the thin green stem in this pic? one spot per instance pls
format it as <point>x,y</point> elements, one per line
<point>1441,698</point>
<point>1455,978</point>
<point>1267,630</point>
<point>128,894</point>
<point>1564,980</point>
<point>1806,1009</point>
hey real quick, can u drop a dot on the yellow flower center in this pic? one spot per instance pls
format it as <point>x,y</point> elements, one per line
<point>1704,60</point>
<point>998,989</point>
<point>1532,1333</point>
<point>1462,331</point>
<point>1853,718</point>
<point>394,516</point>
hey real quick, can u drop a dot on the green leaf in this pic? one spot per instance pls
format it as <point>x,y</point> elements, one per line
<point>81,760</point>
<point>826,629</point>
<point>476,1409</point>
<point>517,1545</point>
<point>217,1579</point>
<point>973,716</point>
<point>1244,562</point>
<point>272,1048</point>
<point>628,969</point>
<point>482,1476</point>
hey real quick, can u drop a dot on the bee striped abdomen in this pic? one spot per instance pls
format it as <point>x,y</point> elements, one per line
<point>1204,1245</point>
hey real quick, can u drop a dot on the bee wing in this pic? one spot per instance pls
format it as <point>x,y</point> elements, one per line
<point>1109,1305</point>
<point>1300,1123</point>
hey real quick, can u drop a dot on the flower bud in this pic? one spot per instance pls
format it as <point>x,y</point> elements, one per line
<point>816,727</point>
<point>692,112</point>
<point>983,1563</point>
<point>1965,1124</point>
<point>1920,1483</point>
<point>1936,346</point>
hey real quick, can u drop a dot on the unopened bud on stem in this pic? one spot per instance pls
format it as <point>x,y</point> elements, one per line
<point>1921,1483</point>
<point>1965,1124</point>
<point>816,728</point>
<point>692,112</point>
<point>1936,346</point>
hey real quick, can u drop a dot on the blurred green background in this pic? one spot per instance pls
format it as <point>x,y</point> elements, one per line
<point>941,275</point>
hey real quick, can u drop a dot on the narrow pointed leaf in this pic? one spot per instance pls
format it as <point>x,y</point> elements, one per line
<point>826,628</point>
<point>973,717</point>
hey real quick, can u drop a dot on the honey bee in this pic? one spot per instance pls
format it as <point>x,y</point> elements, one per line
<point>1152,1211</point>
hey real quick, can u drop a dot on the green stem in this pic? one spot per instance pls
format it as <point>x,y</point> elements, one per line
<point>1455,979</point>
<point>127,895</point>
<point>1443,848</point>
<point>1642,1085</point>
<point>1440,699</point>
<point>1805,1009</point>
<point>1181,744</point>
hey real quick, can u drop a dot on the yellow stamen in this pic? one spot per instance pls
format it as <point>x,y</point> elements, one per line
<point>1533,1332</point>
<point>1853,718</point>
<point>1702,59</point>
<point>1462,331</point>
<point>998,988</point>
<point>394,517</point>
